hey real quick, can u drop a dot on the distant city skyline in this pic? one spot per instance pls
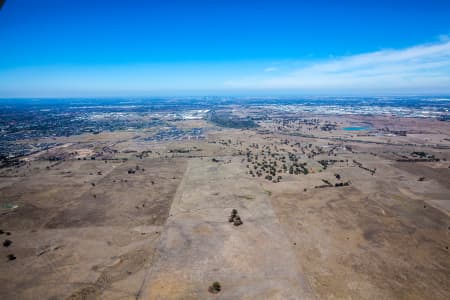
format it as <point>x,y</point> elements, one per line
<point>92,48</point>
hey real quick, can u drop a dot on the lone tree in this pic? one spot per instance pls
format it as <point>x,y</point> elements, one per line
<point>234,218</point>
<point>233,215</point>
<point>215,287</point>
<point>237,221</point>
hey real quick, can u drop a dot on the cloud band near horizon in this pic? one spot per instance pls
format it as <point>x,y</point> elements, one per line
<point>419,67</point>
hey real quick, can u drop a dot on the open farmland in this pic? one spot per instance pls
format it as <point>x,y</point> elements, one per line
<point>328,206</point>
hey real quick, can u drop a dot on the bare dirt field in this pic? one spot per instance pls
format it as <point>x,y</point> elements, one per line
<point>85,228</point>
<point>326,213</point>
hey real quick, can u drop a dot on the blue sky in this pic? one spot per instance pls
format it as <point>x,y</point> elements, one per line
<point>143,48</point>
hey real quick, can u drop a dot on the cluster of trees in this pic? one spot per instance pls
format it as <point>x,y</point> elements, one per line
<point>360,165</point>
<point>13,162</point>
<point>327,184</point>
<point>272,163</point>
<point>328,162</point>
<point>328,126</point>
<point>235,218</point>
<point>144,154</point>
<point>309,124</point>
<point>339,184</point>
<point>231,121</point>
<point>419,156</point>
<point>180,150</point>
<point>297,169</point>
<point>298,123</point>
<point>134,170</point>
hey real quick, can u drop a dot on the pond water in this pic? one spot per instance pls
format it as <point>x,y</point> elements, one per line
<point>356,128</point>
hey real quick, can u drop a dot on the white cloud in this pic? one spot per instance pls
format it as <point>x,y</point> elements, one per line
<point>270,69</point>
<point>416,68</point>
<point>444,37</point>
